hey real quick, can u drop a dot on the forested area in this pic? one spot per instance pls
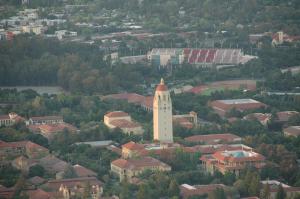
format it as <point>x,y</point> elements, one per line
<point>75,67</point>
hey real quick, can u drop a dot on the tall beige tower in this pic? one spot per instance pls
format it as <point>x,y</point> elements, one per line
<point>162,114</point>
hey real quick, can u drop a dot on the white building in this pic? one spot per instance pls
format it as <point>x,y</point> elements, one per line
<point>162,114</point>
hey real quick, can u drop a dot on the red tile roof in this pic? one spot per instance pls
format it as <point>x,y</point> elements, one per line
<point>133,146</point>
<point>284,116</point>
<point>38,194</point>
<point>187,190</point>
<point>223,156</point>
<point>117,114</point>
<point>214,138</point>
<point>36,180</point>
<point>83,172</point>
<point>292,130</point>
<point>222,105</point>
<point>4,117</point>
<point>137,164</point>
<point>54,128</point>
<point>51,117</point>
<point>121,123</point>
<point>198,89</point>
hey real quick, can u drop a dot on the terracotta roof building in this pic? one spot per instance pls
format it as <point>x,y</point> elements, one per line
<point>292,131</point>
<point>223,106</point>
<point>284,116</point>
<point>263,118</point>
<point>7,193</point>
<point>127,169</point>
<point>50,130</point>
<point>28,148</point>
<point>291,192</point>
<point>211,149</point>
<point>83,172</point>
<point>232,161</point>
<point>38,194</point>
<point>76,186</point>
<point>122,120</point>
<point>214,138</point>
<point>187,121</point>
<point>187,191</point>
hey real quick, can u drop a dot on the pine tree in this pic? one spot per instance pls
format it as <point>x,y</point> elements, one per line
<point>281,193</point>
<point>266,192</point>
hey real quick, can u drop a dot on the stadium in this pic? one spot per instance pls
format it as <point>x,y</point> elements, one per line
<point>200,57</point>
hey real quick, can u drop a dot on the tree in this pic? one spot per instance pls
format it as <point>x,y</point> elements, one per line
<point>143,192</point>
<point>36,170</point>
<point>266,192</point>
<point>280,193</point>
<point>254,187</point>
<point>218,193</point>
<point>173,189</point>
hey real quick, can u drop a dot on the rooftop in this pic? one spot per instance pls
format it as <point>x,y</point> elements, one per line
<point>137,164</point>
<point>214,138</point>
<point>121,123</point>
<point>117,114</point>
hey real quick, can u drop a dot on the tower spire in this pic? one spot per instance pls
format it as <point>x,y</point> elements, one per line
<point>162,82</point>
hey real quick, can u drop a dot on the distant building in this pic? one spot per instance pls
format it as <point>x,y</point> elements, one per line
<point>61,34</point>
<point>36,29</point>
<point>293,131</point>
<point>224,106</point>
<point>291,192</point>
<point>232,161</point>
<point>45,120</point>
<point>226,138</point>
<point>281,37</point>
<point>127,169</point>
<point>162,114</point>
<point>123,121</point>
